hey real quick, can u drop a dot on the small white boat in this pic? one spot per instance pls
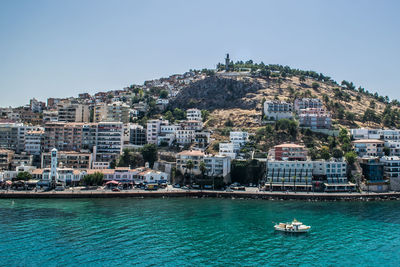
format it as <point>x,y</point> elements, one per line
<point>294,227</point>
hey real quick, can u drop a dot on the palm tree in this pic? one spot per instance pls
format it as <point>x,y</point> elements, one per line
<point>294,183</point>
<point>190,166</point>
<point>203,170</point>
<point>270,184</point>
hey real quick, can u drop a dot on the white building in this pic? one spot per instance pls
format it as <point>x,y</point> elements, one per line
<point>217,165</point>
<point>391,171</point>
<point>363,133</point>
<point>394,147</point>
<point>184,137</point>
<point>390,135</point>
<point>368,147</point>
<point>109,140</point>
<point>192,125</point>
<point>162,102</point>
<point>277,110</point>
<point>154,129</point>
<point>304,103</point>
<point>289,174</point>
<point>238,139</point>
<point>193,114</point>
<point>183,157</point>
<point>227,149</point>
<point>35,105</point>
<point>33,141</point>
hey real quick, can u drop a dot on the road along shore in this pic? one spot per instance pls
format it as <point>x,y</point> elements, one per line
<point>204,193</point>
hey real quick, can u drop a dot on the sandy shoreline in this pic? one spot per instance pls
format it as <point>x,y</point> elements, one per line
<point>203,193</point>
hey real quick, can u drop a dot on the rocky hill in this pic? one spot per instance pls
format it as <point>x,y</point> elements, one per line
<point>239,96</point>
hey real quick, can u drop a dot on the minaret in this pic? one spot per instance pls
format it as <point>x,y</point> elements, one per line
<point>53,170</point>
<point>227,61</point>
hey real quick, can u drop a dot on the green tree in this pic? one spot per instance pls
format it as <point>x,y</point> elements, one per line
<point>190,166</point>
<point>169,116</point>
<point>149,153</point>
<point>351,157</point>
<point>205,114</point>
<point>229,123</point>
<point>163,94</point>
<point>324,152</point>
<point>203,168</point>
<point>315,86</point>
<point>179,114</point>
<point>96,178</point>
<point>24,176</point>
<point>130,159</point>
<point>337,153</point>
<point>386,150</point>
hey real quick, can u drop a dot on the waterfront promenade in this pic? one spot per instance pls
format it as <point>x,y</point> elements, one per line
<point>250,193</point>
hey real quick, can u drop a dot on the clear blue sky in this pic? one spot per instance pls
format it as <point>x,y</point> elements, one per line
<point>62,48</point>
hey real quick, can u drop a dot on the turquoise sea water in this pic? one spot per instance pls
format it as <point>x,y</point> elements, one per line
<point>196,232</point>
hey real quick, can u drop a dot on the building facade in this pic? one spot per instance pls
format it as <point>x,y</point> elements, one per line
<point>368,147</point>
<point>277,110</point>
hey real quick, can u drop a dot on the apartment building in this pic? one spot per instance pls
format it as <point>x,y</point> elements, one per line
<point>6,157</point>
<point>33,141</point>
<point>154,129</point>
<point>363,133</point>
<point>137,135</point>
<point>109,140</point>
<point>50,115</point>
<point>21,159</point>
<point>305,103</point>
<point>315,118</point>
<point>289,152</point>
<point>63,136</point>
<point>277,110</point>
<point>394,147</point>
<point>391,171</point>
<point>193,114</point>
<point>192,125</point>
<point>183,157</point>
<point>284,174</point>
<point>118,112</point>
<point>217,165</point>
<point>368,147</point>
<point>100,112</point>
<point>68,159</point>
<point>238,139</point>
<point>184,137</point>
<point>68,112</point>
<point>227,149</point>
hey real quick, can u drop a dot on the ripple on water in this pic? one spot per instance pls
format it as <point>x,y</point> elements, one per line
<point>170,232</point>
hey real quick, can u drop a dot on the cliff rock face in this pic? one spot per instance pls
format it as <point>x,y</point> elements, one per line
<point>218,92</point>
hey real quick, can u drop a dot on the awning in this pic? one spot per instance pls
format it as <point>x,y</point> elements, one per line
<point>112,182</point>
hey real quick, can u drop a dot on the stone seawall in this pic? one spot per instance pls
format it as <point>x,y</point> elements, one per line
<point>214,194</point>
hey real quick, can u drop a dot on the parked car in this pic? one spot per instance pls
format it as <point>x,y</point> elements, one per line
<point>195,186</point>
<point>115,189</point>
<point>176,186</point>
<point>151,187</point>
<point>59,188</point>
<point>228,189</point>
